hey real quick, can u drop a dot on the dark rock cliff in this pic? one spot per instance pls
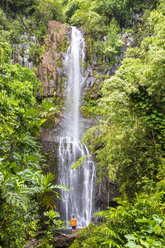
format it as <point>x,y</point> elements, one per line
<point>50,72</point>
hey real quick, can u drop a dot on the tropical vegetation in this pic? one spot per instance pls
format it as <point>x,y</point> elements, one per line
<point>26,194</point>
<point>129,112</point>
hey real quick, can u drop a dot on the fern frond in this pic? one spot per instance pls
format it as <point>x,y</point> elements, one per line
<point>110,233</point>
<point>48,201</point>
<point>61,187</point>
<point>112,243</point>
<point>47,179</point>
<point>35,190</point>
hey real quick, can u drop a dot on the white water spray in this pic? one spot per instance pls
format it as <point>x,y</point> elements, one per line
<point>79,201</point>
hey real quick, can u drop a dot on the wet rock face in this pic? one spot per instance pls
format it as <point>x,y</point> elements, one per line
<point>50,72</point>
<point>128,40</point>
<point>50,145</point>
<point>21,51</point>
<point>106,192</point>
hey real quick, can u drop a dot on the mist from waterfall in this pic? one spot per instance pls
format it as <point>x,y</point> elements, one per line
<point>79,201</point>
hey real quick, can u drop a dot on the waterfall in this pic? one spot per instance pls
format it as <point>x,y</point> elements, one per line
<point>79,201</point>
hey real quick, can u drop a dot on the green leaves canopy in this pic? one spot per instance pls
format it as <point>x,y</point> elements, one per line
<point>130,137</point>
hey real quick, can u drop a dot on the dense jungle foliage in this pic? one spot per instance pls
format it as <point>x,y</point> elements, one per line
<point>25,193</point>
<point>27,196</point>
<point>127,140</point>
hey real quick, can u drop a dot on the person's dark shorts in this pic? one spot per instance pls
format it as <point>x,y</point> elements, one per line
<point>73,227</point>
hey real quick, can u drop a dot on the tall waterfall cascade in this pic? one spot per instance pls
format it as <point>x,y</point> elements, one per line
<point>80,200</point>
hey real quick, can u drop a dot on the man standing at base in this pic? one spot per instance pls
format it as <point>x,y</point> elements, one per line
<point>73,224</point>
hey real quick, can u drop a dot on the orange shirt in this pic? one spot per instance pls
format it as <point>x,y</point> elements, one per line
<point>74,222</point>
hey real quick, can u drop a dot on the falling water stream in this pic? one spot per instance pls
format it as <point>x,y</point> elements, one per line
<point>79,201</point>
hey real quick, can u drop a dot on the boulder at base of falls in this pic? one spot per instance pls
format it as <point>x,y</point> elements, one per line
<point>62,241</point>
